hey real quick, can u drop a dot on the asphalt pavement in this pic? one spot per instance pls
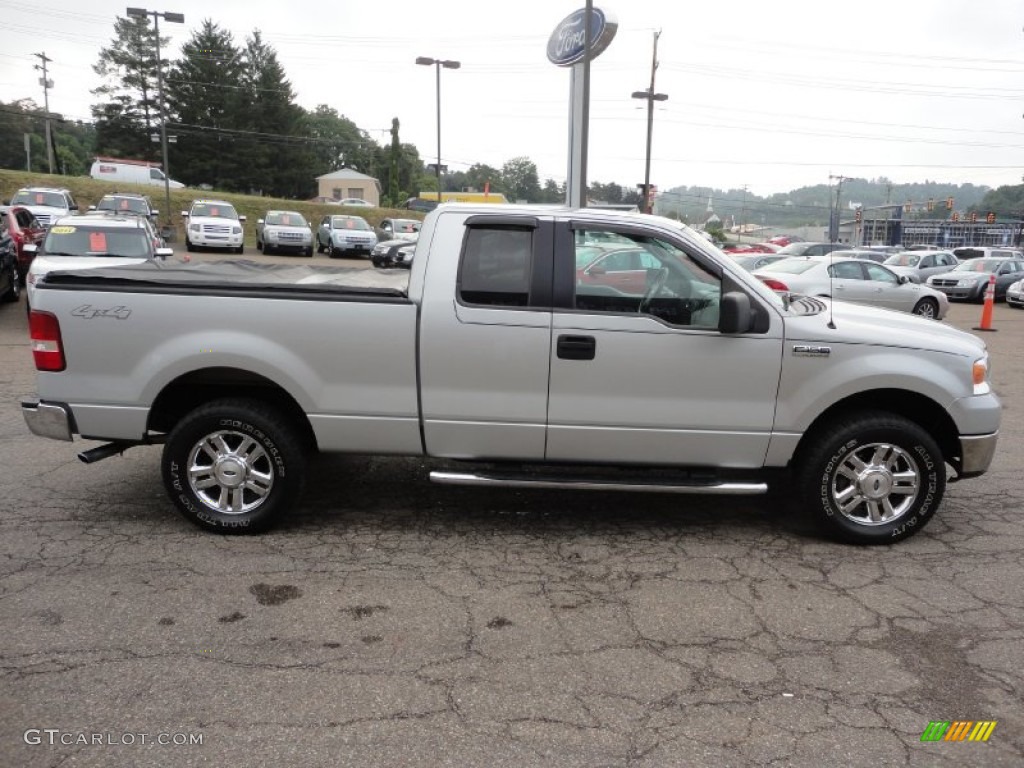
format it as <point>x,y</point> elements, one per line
<point>392,622</point>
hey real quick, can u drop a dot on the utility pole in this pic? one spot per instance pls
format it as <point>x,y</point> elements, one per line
<point>743,215</point>
<point>650,96</point>
<point>47,85</point>
<point>833,229</point>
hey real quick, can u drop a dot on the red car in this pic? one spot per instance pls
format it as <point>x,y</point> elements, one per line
<point>24,229</point>
<point>623,268</point>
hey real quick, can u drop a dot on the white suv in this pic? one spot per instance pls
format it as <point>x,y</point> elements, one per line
<point>46,203</point>
<point>213,224</point>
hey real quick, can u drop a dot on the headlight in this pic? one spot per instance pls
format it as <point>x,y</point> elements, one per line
<point>271,234</point>
<point>979,375</point>
<point>963,282</point>
<point>193,227</point>
<point>236,230</point>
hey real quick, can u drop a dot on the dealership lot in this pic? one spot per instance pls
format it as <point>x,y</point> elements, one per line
<point>393,622</point>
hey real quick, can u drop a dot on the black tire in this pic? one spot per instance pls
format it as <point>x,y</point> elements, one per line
<point>188,245</point>
<point>259,460</point>
<point>332,252</point>
<point>900,477</point>
<point>927,308</point>
<point>13,293</point>
<point>309,252</point>
<point>240,249</point>
<point>259,246</point>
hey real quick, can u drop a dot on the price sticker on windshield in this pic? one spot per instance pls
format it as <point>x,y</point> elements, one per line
<point>124,205</point>
<point>62,230</point>
<point>39,198</point>
<point>215,211</point>
<point>97,241</point>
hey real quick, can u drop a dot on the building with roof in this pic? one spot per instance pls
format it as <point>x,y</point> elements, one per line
<point>348,183</point>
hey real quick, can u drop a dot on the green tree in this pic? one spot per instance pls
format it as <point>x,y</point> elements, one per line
<point>519,179</point>
<point>127,111</point>
<point>338,142</point>
<point>553,192</point>
<point>74,141</point>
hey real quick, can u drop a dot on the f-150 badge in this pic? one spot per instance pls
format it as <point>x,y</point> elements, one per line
<point>807,350</point>
<point>89,312</point>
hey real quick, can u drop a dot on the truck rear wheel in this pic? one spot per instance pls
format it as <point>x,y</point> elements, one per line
<point>234,466</point>
<point>871,478</point>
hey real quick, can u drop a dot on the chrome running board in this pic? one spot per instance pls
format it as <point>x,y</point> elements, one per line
<point>522,481</point>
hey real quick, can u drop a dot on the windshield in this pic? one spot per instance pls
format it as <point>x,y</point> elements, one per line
<point>348,222</point>
<point>125,204</point>
<point>51,199</point>
<point>979,265</point>
<point>98,241</point>
<point>405,225</point>
<point>286,219</point>
<point>903,260</point>
<point>215,211</point>
<point>789,266</point>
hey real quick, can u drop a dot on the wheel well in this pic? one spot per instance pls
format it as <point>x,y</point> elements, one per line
<point>189,391</point>
<point>922,410</point>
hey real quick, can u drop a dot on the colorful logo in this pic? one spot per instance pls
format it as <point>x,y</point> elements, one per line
<point>958,730</point>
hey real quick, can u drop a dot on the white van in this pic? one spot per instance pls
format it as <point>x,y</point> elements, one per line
<point>125,171</point>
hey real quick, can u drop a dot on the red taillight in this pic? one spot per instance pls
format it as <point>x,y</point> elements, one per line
<point>47,347</point>
<point>774,284</point>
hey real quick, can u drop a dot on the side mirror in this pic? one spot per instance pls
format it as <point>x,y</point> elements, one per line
<point>73,208</point>
<point>184,214</point>
<point>735,315</point>
<point>259,222</point>
<point>904,279</point>
<point>164,253</point>
<point>241,218</point>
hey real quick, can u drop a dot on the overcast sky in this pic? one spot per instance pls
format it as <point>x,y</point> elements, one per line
<point>769,95</point>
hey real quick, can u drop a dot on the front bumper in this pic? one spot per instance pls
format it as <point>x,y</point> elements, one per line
<point>206,240</point>
<point>957,292</point>
<point>976,453</point>
<point>51,420</point>
<point>345,246</point>
<point>1015,299</point>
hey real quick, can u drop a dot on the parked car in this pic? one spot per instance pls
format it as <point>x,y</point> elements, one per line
<point>46,203</point>
<point>341,235</point>
<point>920,265</point>
<point>751,248</point>
<point>10,280</point>
<point>398,229</point>
<point>812,249</point>
<point>356,202</point>
<point>969,279</point>
<point>94,240</point>
<point>393,253</point>
<point>980,252</point>
<point>752,261</point>
<point>284,231</point>
<point>213,224</point>
<point>24,229</point>
<point>127,203</point>
<point>628,270</point>
<point>856,280</point>
<point>1015,295</point>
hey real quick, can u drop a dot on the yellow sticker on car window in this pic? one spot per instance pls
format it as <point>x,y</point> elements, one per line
<point>62,230</point>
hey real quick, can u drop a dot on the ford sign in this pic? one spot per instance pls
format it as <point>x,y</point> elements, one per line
<point>565,46</point>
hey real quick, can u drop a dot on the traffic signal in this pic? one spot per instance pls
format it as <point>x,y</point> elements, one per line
<point>991,218</point>
<point>949,203</point>
<point>956,216</point>
<point>974,216</point>
<point>858,216</point>
<point>908,207</point>
<point>930,205</point>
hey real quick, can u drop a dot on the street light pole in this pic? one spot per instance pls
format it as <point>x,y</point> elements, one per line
<point>651,97</point>
<point>177,18</point>
<point>437,64</point>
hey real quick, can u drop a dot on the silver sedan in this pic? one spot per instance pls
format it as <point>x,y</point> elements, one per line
<point>856,280</point>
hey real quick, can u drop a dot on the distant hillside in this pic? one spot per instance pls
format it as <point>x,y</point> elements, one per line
<point>809,206</point>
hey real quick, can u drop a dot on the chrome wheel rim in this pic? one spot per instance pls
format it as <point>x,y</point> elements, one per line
<point>875,484</point>
<point>230,473</point>
<point>926,309</point>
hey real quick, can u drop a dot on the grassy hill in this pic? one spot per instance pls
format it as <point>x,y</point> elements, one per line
<point>88,191</point>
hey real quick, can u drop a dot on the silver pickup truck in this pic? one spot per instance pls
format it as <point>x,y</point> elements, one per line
<point>532,347</point>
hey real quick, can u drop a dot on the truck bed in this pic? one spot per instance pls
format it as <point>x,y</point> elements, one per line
<point>236,277</point>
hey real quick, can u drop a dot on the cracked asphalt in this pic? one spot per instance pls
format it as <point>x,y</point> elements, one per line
<point>391,622</point>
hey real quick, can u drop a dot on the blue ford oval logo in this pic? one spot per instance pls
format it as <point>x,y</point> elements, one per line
<point>565,46</point>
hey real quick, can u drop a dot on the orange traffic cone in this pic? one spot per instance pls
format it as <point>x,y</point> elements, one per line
<point>986,312</point>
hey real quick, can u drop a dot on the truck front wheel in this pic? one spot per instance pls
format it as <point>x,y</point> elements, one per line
<point>234,465</point>
<point>871,478</point>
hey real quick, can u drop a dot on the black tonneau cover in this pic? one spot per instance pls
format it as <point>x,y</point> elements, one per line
<point>236,276</point>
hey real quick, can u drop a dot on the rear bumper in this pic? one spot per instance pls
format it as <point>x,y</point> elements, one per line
<point>52,420</point>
